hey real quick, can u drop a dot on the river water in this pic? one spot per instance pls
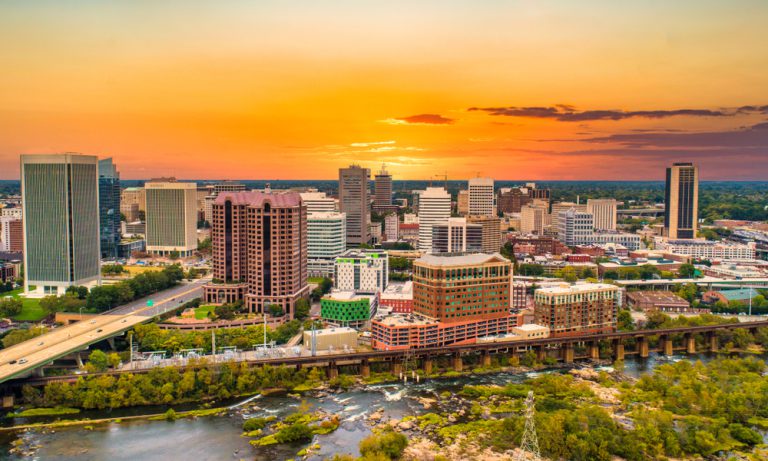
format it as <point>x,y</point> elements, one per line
<point>219,437</point>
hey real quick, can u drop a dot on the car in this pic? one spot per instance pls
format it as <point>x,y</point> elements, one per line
<point>41,343</point>
<point>12,362</point>
<point>99,330</point>
<point>22,361</point>
<point>124,320</point>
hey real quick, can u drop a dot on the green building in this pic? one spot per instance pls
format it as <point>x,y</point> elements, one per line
<point>347,308</point>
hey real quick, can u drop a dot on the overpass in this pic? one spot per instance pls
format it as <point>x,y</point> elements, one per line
<point>761,282</point>
<point>564,349</point>
<point>24,358</point>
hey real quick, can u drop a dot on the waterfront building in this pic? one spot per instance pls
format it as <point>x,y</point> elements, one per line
<point>354,202</point>
<point>603,212</point>
<point>482,200</point>
<point>326,239</point>
<point>171,227</point>
<point>348,308</point>
<point>61,222</point>
<point>681,198</point>
<point>577,310</point>
<point>259,251</point>
<point>109,208</point>
<point>362,271</point>
<point>434,208</point>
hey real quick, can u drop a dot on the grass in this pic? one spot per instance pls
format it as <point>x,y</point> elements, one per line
<point>202,312</point>
<point>30,311</point>
<point>136,270</point>
<point>44,412</point>
<point>315,280</point>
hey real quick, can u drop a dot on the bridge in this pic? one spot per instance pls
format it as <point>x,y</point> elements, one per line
<point>760,282</point>
<point>26,357</point>
<point>566,349</point>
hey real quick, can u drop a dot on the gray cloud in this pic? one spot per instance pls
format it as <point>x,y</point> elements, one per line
<point>421,119</point>
<point>566,113</point>
<point>755,136</point>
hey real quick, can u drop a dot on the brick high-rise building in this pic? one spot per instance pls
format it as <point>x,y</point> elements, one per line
<point>574,310</point>
<point>354,201</point>
<point>259,250</point>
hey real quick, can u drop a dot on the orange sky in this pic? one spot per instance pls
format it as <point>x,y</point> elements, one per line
<point>282,90</point>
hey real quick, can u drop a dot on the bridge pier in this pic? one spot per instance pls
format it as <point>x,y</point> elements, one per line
<point>397,367</point>
<point>713,341</point>
<point>642,347</point>
<point>79,360</point>
<point>458,363</point>
<point>39,372</point>
<point>333,370</point>
<point>666,345</point>
<point>594,350</point>
<point>541,353</point>
<point>428,365</point>
<point>365,368</point>
<point>486,359</point>
<point>567,352</point>
<point>618,349</point>
<point>111,342</point>
<point>690,343</point>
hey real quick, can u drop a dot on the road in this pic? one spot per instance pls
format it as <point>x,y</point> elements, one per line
<point>62,341</point>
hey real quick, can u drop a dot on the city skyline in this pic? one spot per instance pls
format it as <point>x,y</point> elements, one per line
<point>233,90</point>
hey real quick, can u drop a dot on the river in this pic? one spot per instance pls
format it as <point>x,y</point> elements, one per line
<point>219,437</point>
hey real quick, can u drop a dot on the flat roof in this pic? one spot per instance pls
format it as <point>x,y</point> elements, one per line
<point>578,288</point>
<point>332,331</point>
<point>465,259</point>
<point>656,297</point>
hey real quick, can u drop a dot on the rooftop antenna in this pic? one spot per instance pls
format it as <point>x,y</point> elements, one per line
<point>529,444</point>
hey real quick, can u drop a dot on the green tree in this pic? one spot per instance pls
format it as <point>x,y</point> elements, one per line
<point>276,310</point>
<point>10,307</point>
<point>20,335</point>
<point>686,271</point>
<point>301,309</point>
<point>388,443</point>
<point>98,360</point>
<point>625,321</point>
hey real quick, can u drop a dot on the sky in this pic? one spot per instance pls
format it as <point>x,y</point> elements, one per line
<point>548,90</point>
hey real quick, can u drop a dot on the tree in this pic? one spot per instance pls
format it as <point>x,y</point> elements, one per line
<point>301,309</point>
<point>10,307</point>
<point>225,311</point>
<point>389,443</point>
<point>98,360</point>
<point>276,310</point>
<point>686,271</point>
<point>174,255</point>
<point>19,336</point>
<point>625,321</point>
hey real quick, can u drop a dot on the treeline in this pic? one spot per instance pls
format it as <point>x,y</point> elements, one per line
<point>681,410</point>
<point>167,385</point>
<point>105,297</point>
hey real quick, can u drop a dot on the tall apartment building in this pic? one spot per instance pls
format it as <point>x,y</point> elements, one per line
<point>171,217</point>
<point>137,195</point>
<point>60,195</point>
<point>462,202</point>
<point>434,208</point>
<point>382,192</point>
<point>326,239</point>
<point>391,227</point>
<point>574,310</point>
<point>109,208</point>
<point>533,220</point>
<point>11,234</point>
<point>491,232</point>
<point>362,271</point>
<point>457,236</point>
<point>604,213</point>
<point>318,202</point>
<point>354,202</point>
<point>259,250</point>
<point>482,199</point>
<point>681,213</point>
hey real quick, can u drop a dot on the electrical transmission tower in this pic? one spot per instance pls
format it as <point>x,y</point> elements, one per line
<point>529,445</point>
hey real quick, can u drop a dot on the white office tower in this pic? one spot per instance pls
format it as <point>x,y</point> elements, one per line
<point>61,222</point>
<point>364,271</point>
<point>171,217</point>
<point>482,200</point>
<point>318,202</point>
<point>326,239</point>
<point>434,208</point>
<point>533,219</point>
<point>576,227</point>
<point>604,213</point>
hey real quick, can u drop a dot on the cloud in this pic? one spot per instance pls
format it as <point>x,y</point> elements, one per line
<point>421,119</point>
<point>566,113</point>
<point>368,144</point>
<point>755,136</point>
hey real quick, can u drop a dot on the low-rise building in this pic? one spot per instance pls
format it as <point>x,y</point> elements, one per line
<point>398,297</point>
<point>330,339</point>
<point>662,301</point>
<point>707,249</point>
<point>349,309</point>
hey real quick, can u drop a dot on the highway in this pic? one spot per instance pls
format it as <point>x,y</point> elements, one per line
<point>23,358</point>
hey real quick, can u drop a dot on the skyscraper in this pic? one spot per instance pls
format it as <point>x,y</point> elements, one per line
<point>481,197</point>
<point>109,208</point>
<point>60,195</point>
<point>681,212</point>
<point>604,213</point>
<point>457,236</point>
<point>434,208</point>
<point>354,201</point>
<point>326,239</point>
<point>259,244</point>
<point>171,217</point>
<point>382,195</point>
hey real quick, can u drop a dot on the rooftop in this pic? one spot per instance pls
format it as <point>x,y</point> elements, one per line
<point>332,331</point>
<point>577,288</point>
<point>460,259</point>
<point>657,297</point>
<point>257,198</point>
